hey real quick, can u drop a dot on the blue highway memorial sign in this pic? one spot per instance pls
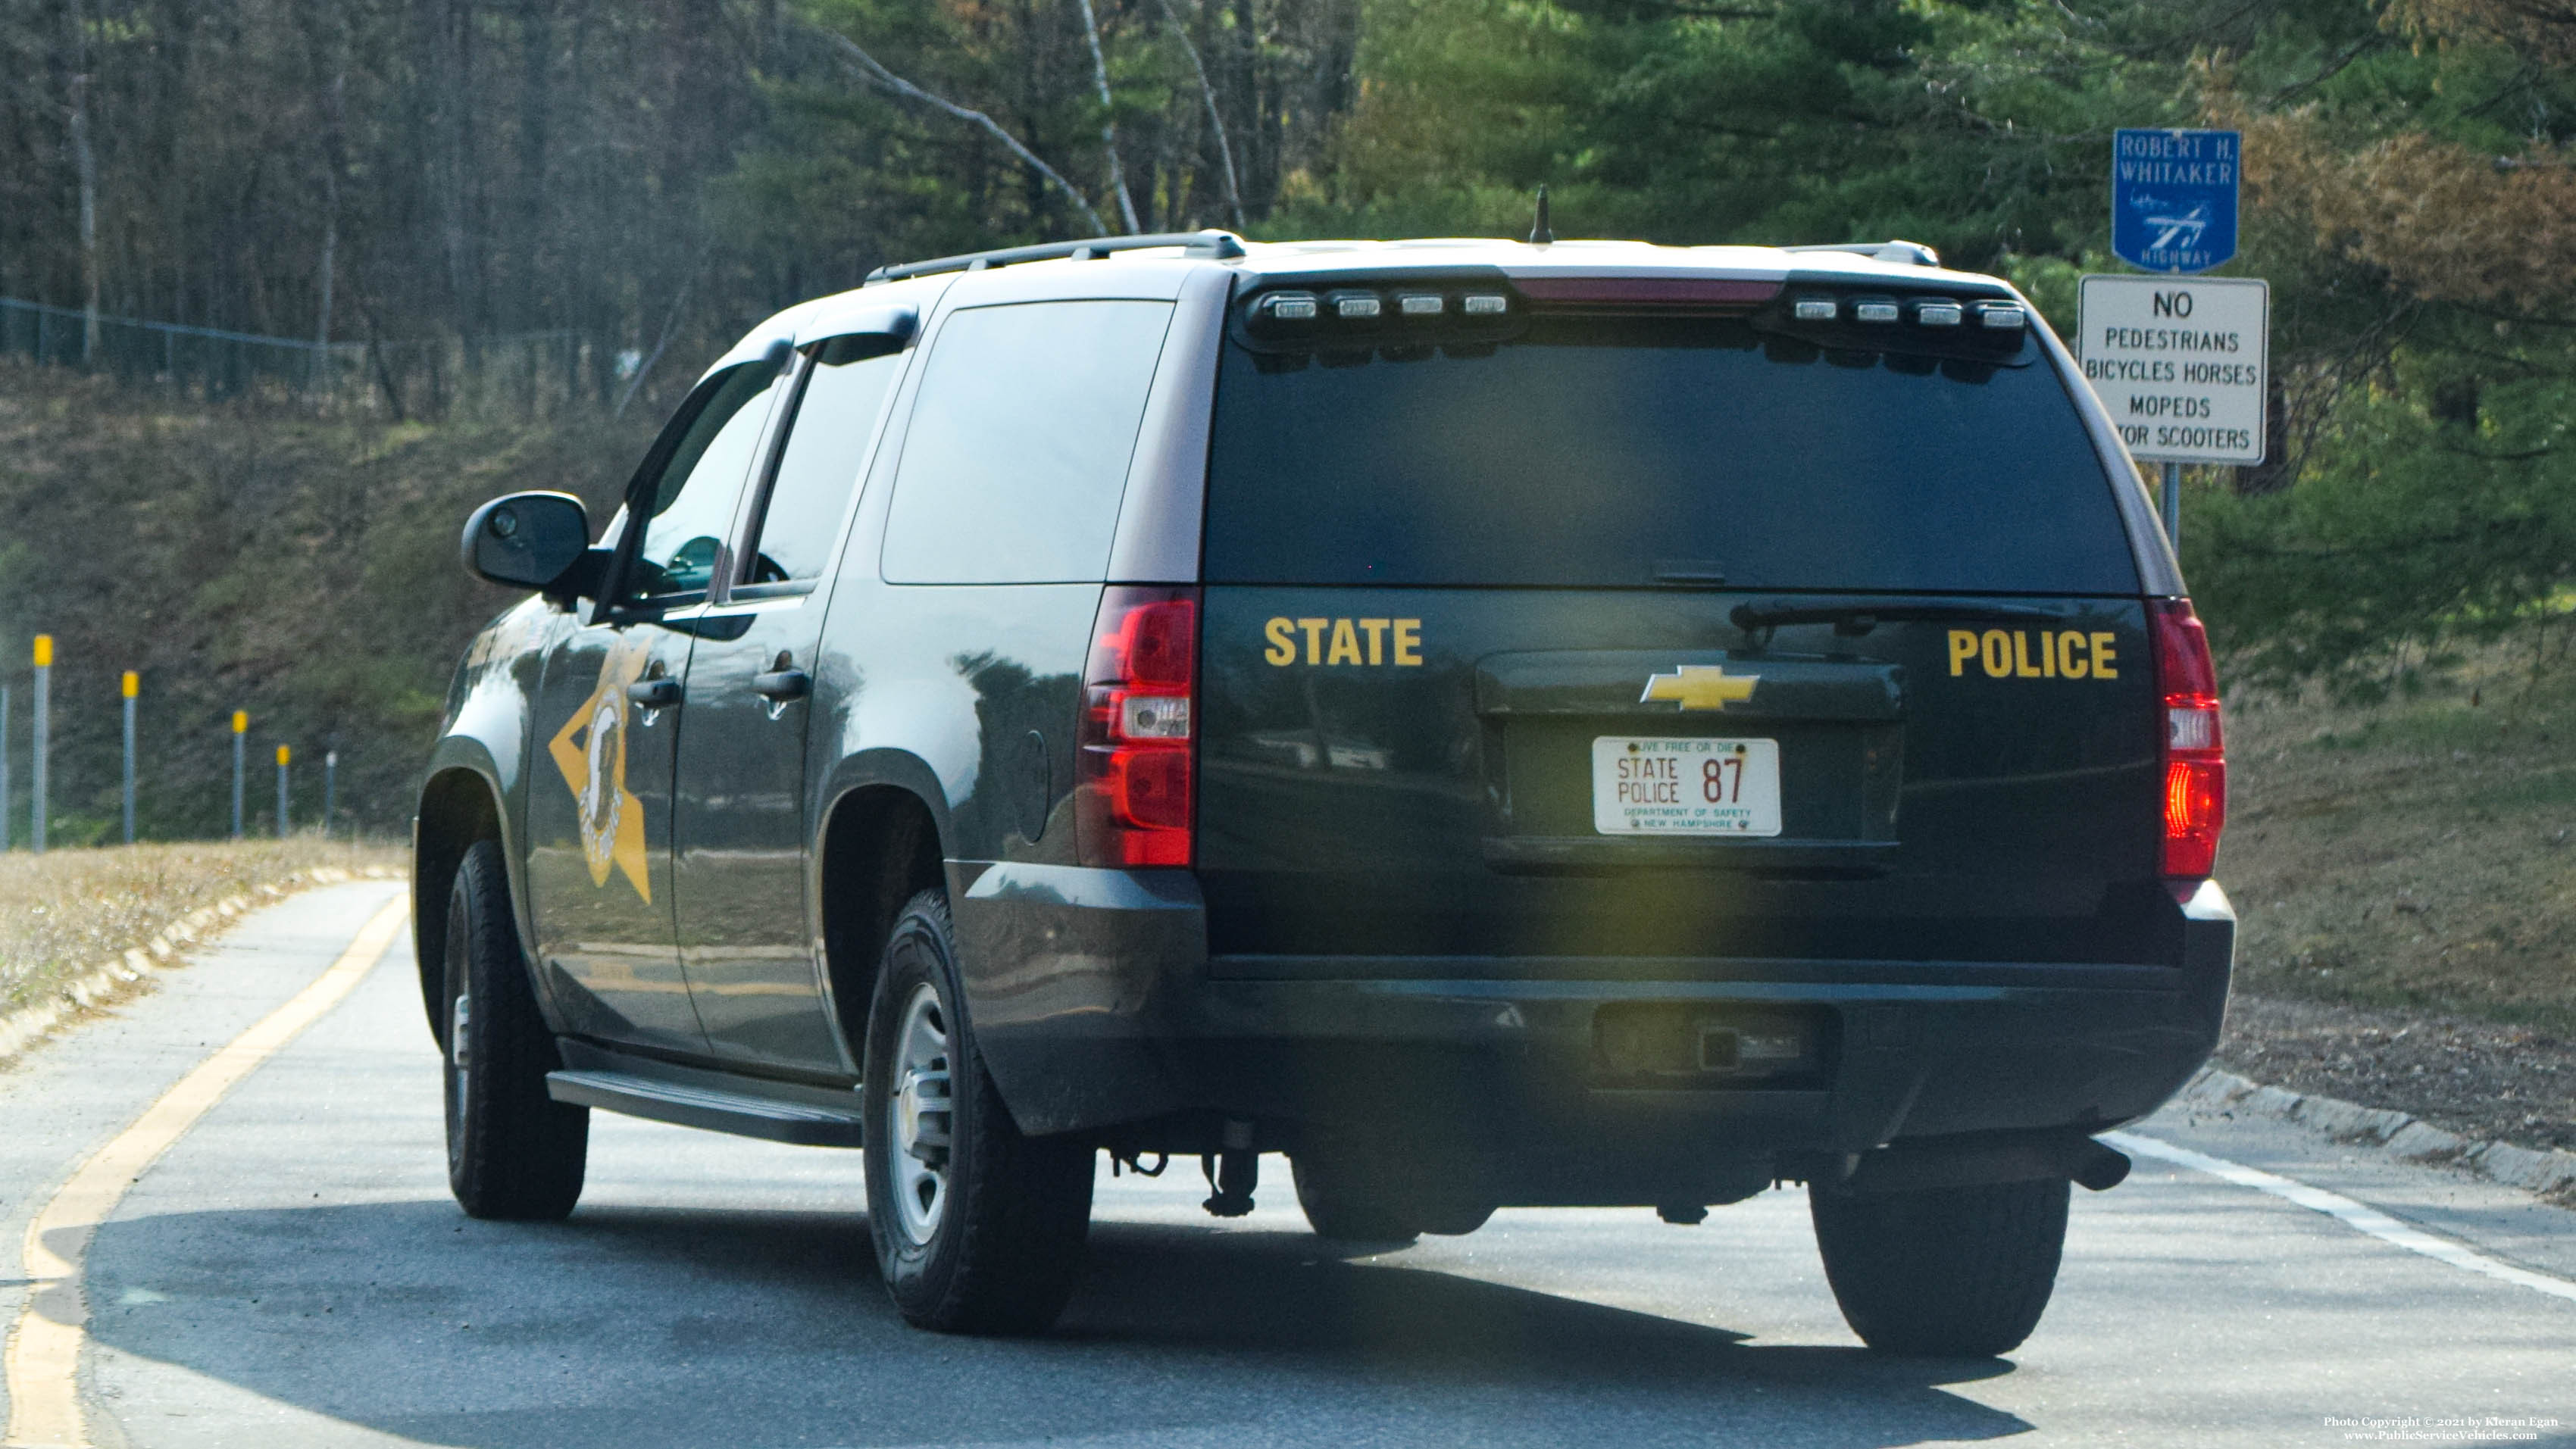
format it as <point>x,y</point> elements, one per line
<point>2173,198</point>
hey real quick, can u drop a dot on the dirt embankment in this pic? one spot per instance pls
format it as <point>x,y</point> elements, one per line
<point>2406,876</point>
<point>300,568</point>
<point>2481,1080</point>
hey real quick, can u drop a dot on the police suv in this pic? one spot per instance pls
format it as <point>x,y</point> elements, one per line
<point>1503,725</point>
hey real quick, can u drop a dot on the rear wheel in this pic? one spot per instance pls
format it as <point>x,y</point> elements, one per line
<point>977,1228</point>
<point>512,1151</point>
<point>1961,1271</point>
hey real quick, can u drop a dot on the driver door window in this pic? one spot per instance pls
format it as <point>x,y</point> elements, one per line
<point>691,505</point>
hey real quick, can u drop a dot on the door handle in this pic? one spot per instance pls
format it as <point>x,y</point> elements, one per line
<point>654,693</point>
<point>782,684</point>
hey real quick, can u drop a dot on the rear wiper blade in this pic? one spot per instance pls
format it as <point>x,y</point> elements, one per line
<point>1695,572</point>
<point>1858,617</point>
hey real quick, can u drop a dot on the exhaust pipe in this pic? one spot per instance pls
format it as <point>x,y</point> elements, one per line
<point>1973,1159</point>
<point>2096,1167</point>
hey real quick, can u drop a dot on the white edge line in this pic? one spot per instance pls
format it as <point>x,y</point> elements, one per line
<point>2335,1205</point>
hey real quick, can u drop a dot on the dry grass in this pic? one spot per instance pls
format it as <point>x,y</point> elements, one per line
<point>68,912</point>
<point>2418,855</point>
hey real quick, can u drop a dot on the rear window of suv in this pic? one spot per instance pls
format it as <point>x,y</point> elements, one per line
<point>1604,452</point>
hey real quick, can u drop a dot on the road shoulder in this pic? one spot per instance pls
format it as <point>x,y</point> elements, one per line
<point>2450,1198</point>
<point>63,1102</point>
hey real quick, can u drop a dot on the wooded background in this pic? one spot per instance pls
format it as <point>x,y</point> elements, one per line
<point>510,215</point>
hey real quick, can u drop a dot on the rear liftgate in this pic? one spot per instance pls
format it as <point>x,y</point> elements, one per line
<point>1524,662</point>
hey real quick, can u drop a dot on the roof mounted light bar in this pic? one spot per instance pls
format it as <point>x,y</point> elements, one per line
<point>1215,245</point>
<point>1853,314</point>
<point>1346,313</point>
<point>1902,253</point>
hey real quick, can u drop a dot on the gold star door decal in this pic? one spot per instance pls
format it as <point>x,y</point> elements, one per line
<point>590,750</point>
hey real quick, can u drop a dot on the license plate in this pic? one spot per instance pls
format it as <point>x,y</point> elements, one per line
<point>1685,787</point>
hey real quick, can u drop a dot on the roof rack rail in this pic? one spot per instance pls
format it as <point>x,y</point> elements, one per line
<point>1221,245</point>
<point>1903,253</point>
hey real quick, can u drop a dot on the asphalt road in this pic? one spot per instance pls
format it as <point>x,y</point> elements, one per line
<point>292,1272</point>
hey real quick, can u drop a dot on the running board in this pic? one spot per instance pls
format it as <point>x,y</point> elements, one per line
<point>720,1111</point>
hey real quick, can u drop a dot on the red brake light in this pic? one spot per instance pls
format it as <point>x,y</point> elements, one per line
<point>1648,291</point>
<point>1138,767</point>
<point>2195,752</point>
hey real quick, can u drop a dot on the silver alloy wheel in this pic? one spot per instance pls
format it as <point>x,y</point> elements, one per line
<point>918,1115</point>
<point>459,1020</point>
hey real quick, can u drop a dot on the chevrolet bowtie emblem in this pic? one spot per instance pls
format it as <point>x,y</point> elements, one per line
<point>1700,686</point>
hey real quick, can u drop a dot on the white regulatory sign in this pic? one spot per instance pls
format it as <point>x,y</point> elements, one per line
<point>2179,362</point>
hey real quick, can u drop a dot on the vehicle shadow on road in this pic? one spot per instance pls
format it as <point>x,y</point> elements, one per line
<point>1291,1292</point>
<point>670,1326</point>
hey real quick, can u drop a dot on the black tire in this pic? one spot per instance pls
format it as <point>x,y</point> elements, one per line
<point>994,1244</point>
<point>1338,1204</point>
<point>1956,1272</point>
<point>513,1153</point>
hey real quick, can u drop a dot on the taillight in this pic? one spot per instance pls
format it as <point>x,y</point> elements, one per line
<point>1138,766</point>
<point>2195,755</point>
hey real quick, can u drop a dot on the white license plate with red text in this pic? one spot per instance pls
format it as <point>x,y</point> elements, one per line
<point>1685,786</point>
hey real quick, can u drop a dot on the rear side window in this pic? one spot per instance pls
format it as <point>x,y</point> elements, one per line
<point>1596,452</point>
<point>1017,453</point>
<point>835,415</point>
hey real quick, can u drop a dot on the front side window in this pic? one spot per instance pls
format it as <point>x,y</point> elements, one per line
<point>692,504</point>
<point>835,416</point>
<point>1017,453</point>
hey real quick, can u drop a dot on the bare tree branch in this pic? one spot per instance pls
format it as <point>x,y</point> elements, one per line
<point>868,67</point>
<point>1108,120</point>
<point>85,167</point>
<point>2370,41</point>
<point>1216,118</point>
<point>670,322</point>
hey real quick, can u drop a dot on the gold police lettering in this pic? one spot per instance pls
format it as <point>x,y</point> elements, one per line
<point>1344,641</point>
<point>2035,654</point>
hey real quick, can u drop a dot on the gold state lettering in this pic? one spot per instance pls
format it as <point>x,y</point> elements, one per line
<point>1331,642</point>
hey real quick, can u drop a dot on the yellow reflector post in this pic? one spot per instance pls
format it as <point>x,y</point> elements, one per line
<point>281,754</point>
<point>241,721</point>
<point>44,651</point>
<point>133,684</point>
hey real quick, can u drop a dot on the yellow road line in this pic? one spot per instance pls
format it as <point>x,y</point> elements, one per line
<point>44,1348</point>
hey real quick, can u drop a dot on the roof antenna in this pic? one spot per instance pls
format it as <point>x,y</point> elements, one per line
<point>1541,235</point>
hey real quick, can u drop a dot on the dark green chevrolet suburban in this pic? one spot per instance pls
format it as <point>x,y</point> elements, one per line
<point>1503,725</point>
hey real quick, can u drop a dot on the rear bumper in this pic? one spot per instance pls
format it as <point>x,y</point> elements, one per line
<point>1109,1017</point>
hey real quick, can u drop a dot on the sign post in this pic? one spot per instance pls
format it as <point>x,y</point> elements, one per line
<point>132,686</point>
<point>330,790</point>
<point>241,727</point>
<point>281,792</point>
<point>4,767</point>
<point>43,740</point>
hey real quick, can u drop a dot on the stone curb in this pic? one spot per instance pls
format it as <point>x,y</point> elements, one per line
<point>112,982</point>
<point>2400,1135</point>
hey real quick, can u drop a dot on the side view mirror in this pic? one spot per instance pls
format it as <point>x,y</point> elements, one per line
<point>531,541</point>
